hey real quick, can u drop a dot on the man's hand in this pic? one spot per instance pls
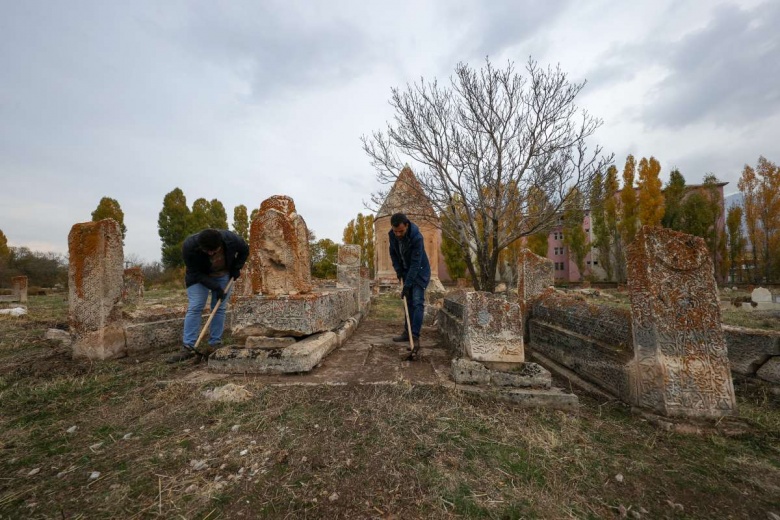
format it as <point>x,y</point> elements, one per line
<point>406,292</point>
<point>234,274</point>
<point>220,293</point>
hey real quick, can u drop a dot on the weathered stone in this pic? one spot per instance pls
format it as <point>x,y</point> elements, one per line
<point>133,288</point>
<point>19,288</point>
<point>349,255</point>
<point>59,335</point>
<point>268,343</point>
<point>468,372</point>
<point>680,365</point>
<point>364,296</point>
<point>761,295</point>
<point>552,398</point>
<point>95,289</point>
<point>303,356</point>
<point>524,375</point>
<point>279,249</point>
<point>534,275</point>
<point>295,315</point>
<point>242,286</point>
<point>750,348</point>
<point>770,371</point>
<point>482,326</point>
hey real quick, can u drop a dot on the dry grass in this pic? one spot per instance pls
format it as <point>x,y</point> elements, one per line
<point>346,452</point>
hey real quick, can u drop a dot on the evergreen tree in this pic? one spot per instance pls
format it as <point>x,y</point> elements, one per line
<point>651,198</point>
<point>173,227</point>
<point>217,215</point>
<point>109,208</point>
<point>241,222</point>
<point>601,239</point>
<point>5,252</point>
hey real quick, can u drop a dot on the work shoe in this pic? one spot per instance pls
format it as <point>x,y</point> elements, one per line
<point>183,354</point>
<point>403,338</point>
<point>416,344</point>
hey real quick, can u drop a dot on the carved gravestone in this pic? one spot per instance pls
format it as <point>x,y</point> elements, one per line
<point>680,365</point>
<point>133,290</point>
<point>279,249</point>
<point>348,269</point>
<point>19,288</point>
<point>95,288</point>
<point>492,328</point>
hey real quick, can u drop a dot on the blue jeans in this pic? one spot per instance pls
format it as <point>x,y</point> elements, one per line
<point>416,310</point>
<point>197,294</point>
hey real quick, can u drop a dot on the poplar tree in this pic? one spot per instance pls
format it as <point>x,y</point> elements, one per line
<point>109,208</point>
<point>598,225</point>
<point>736,241</point>
<point>574,237</point>
<point>241,222</point>
<point>673,196</point>
<point>651,198</point>
<point>5,252</point>
<point>760,188</point>
<point>360,231</point>
<point>173,227</point>
<point>628,207</point>
<point>612,244</point>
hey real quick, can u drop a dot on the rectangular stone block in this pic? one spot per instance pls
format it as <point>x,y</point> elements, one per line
<point>19,288</point>
<point>302,356</point>
<point>492,328</point>
<point>750,348</point>
<point>133,289</point>
<point>268,343</point>
<point>95,288</point>
<point>294,315</point>
<point>680,365</point>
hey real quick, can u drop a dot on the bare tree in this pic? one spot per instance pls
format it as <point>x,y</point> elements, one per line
<point>497,153</point>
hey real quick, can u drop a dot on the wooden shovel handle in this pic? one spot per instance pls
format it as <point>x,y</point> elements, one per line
<point>211,316</point>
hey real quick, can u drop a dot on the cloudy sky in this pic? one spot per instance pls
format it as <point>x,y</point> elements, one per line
<point>240,100</point>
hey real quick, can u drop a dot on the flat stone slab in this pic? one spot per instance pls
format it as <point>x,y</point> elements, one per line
<point>526,397</point>
<point>292,315</point>
<point>520,375</point>
<point>770,371</point>
<point>301,356</point>
<point>266,343</point>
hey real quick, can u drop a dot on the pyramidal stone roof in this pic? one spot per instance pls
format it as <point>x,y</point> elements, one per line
<point>407,196</point>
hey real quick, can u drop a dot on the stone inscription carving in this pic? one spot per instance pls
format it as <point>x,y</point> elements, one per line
<point>680,366</point>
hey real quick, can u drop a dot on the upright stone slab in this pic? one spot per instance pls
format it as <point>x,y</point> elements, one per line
<point>761,295</point>
<point>243,285</point>
<point>133,290</point>
<point>365,288</point>
<point>680,365</point>
<point>95,288</point>
<point>19,288</point>
<point>534,275</point>
<point>348,269</point>
<point>492,328</point>
<point>279,249</point>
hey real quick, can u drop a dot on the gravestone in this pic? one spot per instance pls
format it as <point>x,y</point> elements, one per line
<point>348,269</point>
<point>535,274</point>
<point>761,295</point>
<point>19,288</point>
<point>680,365</point>
<point>133,290</point>
<point>95,288</point>
<point>279,249</point>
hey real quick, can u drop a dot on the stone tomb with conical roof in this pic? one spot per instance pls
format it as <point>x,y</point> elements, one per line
<point>407,196</point>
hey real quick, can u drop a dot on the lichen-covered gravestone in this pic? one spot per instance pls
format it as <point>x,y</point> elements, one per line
<point>133,290</point>
<point>19,288</point>
<point>535,274</point>
<point>348,269</point>
<point>95,288</point>
<point>279,249</point>
<point>680,366</point>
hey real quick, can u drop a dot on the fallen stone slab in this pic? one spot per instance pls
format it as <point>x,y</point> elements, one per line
<point>748,349</point>
<point>525,397</point>
<point>770,371</point>
<point>268,343</point>
<point>521,375</point>
<point>302,356</point>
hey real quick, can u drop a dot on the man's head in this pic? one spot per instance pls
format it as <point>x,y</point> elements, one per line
<point>400,224</point>
<point>209,241</point>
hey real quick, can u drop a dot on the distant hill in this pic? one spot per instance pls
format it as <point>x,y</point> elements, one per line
<point>735,199</point>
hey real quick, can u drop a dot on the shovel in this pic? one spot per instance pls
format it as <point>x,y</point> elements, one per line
<point>408,326</point>
<point>211,317</point>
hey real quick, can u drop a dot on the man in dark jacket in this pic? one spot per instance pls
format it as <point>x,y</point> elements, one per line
<point>212,257</point>
<point>407,251</point>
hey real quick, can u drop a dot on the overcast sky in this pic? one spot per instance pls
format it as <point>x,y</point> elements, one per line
<point>241,100</point>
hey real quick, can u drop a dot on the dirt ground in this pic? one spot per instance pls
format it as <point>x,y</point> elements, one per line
<point>136,438</point>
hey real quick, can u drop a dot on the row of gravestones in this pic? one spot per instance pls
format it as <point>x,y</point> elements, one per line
<point>278,267</point>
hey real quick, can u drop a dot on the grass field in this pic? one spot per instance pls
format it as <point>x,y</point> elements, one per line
<point>128,439</point>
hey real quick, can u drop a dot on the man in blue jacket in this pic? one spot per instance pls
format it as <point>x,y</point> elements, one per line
<point>407,251</point>
<point>212,257</point>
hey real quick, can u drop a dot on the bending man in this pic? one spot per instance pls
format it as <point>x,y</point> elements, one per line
<point>212,257</point>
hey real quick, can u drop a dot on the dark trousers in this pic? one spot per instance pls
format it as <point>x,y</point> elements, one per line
<point>416,310</point>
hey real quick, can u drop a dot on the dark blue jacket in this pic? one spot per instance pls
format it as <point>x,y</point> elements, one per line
<point>412,265</point>
<point>199,265</point>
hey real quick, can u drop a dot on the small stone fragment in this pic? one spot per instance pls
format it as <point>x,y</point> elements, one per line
<point>333,497</point>
<point>34,472</point>
<point>619,477</point>
<point>72,429</point>
<point>94,475</point>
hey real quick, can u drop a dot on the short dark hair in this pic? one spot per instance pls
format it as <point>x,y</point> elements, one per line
<point>209,239</point>
<point>398,218</point>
